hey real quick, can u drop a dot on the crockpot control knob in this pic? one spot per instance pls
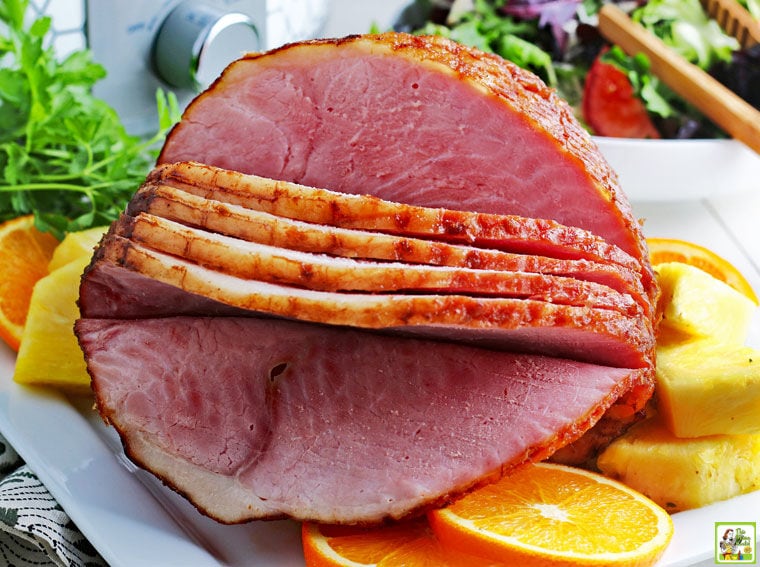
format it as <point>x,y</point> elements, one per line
<point>196,41</point>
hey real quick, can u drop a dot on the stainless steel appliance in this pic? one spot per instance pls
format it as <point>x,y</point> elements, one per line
<point>181,45</point>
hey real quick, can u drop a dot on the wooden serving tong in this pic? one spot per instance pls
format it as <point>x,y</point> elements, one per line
<point>728,110</point>
<point>735,20</point>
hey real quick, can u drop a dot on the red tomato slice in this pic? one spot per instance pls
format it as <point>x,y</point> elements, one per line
<point>610,107</point>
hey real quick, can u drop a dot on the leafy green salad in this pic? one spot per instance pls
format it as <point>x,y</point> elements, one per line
<point>559,41</point>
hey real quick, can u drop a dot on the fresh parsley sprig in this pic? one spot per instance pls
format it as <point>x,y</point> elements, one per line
<point>65,156</point>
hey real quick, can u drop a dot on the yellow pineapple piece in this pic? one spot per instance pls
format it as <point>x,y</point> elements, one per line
<point>706,387</point>
<point>699,305</point>
<point>680,474</point>
<point>75,245</point>
<point>49,353</point>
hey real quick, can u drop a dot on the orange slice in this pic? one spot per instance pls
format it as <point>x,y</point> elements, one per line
<point>411,544</point>
<point>24,256</point>
<point>548,514</point>
<point>663,250</point>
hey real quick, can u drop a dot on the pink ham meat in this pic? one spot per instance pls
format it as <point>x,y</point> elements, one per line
<point>174,204</point>
<point>417,120</point>
<point>603,336</point>
<point>249,260</point>
<point>253,418</point>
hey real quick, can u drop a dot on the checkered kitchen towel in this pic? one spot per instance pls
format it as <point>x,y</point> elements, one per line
<point>34,529</point>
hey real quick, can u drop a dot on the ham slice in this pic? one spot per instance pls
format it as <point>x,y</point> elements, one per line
<point>603,336</point>
<point>419,120</point>
<point>250,260</point>
<point>510,233</point>
<point>175,204</point>
<point>327,424</point>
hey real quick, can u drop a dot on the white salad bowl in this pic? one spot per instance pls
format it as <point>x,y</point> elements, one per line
<point>680,170</point>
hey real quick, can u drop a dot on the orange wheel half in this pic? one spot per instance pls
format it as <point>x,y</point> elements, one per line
<point>548,514</point>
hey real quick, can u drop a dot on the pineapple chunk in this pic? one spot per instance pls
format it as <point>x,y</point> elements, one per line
<point>76,245</point>
<point>706,387</point>
<point>49,353</point>
<point>699,305</point>
<point>680,474</point>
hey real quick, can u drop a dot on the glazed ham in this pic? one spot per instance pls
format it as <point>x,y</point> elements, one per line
<point>254,418</point>
<point>352,323</point>
<point>250,260</point>
<point>502,232</point>
<point>170,203</point>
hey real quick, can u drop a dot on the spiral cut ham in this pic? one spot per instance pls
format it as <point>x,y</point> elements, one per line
<point>168,202</point>
<point>254,261</point>
<point>301,314</point>
<point>510,233</point>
